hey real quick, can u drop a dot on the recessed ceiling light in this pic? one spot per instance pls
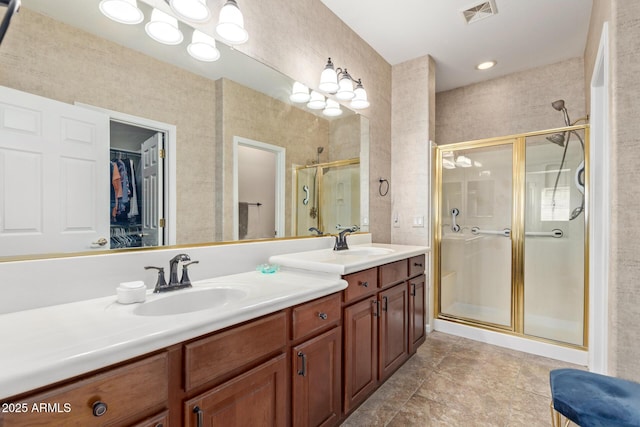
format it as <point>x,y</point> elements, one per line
<point>485,65</point>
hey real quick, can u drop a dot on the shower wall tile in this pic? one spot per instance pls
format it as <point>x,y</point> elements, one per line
<point>413,91</point>
<point>516,103</point>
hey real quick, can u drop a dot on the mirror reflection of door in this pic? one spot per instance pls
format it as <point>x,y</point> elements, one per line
<point>137,187</point>
<point>256,193</point>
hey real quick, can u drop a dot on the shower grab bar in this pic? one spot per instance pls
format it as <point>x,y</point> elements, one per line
<point>555,233</point>
<point>506,232</point>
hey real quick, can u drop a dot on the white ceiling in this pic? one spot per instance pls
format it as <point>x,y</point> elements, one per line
<point>524,34</point>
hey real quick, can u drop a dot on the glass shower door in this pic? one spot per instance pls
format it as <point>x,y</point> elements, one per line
<point>476,205</point>
<point>554,249</point>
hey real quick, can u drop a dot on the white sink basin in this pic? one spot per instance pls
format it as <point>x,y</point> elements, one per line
<point>181,301</point>
<point>365,251</point>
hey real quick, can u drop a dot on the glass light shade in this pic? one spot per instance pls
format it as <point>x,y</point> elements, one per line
<point>463,161</point>
<point>203,47</point>
<point>345,89</point>
<point>192,10</point>
<point>332,109</point>
<point>448,164</point>
<point>328,80</point>
<point>317,101</point>
<point>122,11</point>
<point>299,93</point>
<point>231,24</point>
<point>359,101</point>
<point>163,28</point>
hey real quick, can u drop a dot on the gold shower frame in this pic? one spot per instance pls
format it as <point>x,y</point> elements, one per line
<point>518,142</point>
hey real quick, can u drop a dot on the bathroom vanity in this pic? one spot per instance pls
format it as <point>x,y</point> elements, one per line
<point>300,347</point>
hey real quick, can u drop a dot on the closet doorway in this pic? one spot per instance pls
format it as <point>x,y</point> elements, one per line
<point>136,186</point>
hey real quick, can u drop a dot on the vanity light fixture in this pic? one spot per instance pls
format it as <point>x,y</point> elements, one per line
<point>332,108</point>
<point>463,161</point>
<point>299,93</point>
<point>316,101</point>
<point>359,101</point>
<point>122,11</point>
<point>203,47</point>
<point>163,28</point>
<point>486,65</point>
<point>191,10</point>
<point>231,24</point>
<point>338,81</point>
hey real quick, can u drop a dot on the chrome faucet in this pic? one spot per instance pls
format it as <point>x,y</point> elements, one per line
<point>162,285</point>
<point>315,230</point>
<point>341,238</point>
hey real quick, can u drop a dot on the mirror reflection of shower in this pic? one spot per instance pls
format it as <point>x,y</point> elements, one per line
<point>562,139</point>
<point>313,212</point>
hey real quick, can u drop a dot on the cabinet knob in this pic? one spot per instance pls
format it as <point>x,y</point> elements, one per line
<point>417,264</point>
<point>365,284</point>
<point>99,408</point>
<point>323,316</point>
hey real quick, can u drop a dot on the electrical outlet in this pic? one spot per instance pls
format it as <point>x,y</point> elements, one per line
<point>396,220</point>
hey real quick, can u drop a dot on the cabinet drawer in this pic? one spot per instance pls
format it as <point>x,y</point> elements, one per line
<point>361,284</point>
<point>212,357</point>
<point>417,265</point>
<point>120,394</point>
<point>315,315</point>
<point>160,420</point>
<point>393,272</point>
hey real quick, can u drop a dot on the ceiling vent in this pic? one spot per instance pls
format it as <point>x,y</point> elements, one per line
<point>479,11</point>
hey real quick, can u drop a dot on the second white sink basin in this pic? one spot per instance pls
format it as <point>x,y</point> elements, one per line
<point>180,302</point>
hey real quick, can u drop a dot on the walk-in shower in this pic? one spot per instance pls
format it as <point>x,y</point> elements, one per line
<point>510,238</point>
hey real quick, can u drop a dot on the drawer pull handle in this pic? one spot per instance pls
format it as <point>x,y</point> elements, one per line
<point>99,408</point>
<point>323,316</point>
<point>365,284</point>
<point>385,307</point>
<point>417,264</point>
<point>199,413</point>
<point>377,312</point>
<point>413,289</point>
<point>303,372</point>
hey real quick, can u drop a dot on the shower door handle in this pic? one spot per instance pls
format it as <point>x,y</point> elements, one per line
<point>555,233</point>
<point>506,232</point>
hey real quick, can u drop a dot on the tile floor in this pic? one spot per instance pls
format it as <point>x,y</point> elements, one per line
<point>453,381</point>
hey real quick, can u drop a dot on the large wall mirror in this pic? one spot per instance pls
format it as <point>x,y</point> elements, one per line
<point>219,125</point>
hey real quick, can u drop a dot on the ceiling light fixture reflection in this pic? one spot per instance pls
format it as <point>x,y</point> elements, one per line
<point>163,28</point>
<point>332,109</point>
<point>317,101</point>
<point>463,162</point>
<point>299,93</point>
<point>191,10</point>
<point>231,24</point>
<point>203,47</point>
<point>448,164</point>
<point>122,11</point>
<point>486,65</point>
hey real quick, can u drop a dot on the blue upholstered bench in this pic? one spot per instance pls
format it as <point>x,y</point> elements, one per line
<point>593,400</point>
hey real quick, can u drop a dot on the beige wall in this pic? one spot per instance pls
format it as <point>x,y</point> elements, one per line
<point>516,103</point>
<point>413,94</point>
<point>624,296</point>
<point>51,59</point>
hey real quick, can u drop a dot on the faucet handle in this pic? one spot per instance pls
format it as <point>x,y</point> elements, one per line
<point>161,283</point>
<point>185,281</point>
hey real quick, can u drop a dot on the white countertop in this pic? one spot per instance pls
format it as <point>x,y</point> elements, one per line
<point>356,258</point>
<point>49,344</point>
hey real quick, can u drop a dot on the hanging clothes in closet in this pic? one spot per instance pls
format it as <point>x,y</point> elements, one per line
<point>124,200</point>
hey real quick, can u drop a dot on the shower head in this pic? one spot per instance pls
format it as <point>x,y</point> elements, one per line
<point>559,106</point>
<point>557,138</point>
<point>320,150</point>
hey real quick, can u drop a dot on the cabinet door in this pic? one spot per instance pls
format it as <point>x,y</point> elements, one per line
<point>255,398</point>
<point>316,384</point>
<point>360,351</point>
<point>394,329</point>
<point>417,312</point>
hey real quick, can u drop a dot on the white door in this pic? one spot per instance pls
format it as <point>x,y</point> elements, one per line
<point>152,179</point>
<point>54,176</point>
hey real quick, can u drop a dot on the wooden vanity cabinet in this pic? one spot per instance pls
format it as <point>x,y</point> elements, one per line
<point>316,368</point>
<point>383,325</point>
